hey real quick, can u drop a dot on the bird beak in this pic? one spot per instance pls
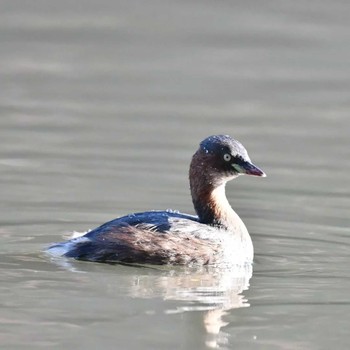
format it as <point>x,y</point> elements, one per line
<point>251,169</point>
<point>248,168</point>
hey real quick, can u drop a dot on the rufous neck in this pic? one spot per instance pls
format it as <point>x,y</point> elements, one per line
<point>208,192</point>
<point>211,205</point>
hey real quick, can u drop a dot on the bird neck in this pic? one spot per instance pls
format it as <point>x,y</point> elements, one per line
<point>212,206</point>
<point>209,198</point>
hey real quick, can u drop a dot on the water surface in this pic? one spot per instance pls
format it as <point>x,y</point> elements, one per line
<point>102,105</point>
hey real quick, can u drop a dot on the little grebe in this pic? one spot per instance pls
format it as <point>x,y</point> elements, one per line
<point>217,235</point>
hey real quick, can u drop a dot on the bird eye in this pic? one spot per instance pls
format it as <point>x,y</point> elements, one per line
<point>227,157</point>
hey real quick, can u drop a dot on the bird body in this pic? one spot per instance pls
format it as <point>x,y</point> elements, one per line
<point>216,235</point>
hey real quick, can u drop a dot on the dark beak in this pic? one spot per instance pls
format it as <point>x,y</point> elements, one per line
<point>251,169</point>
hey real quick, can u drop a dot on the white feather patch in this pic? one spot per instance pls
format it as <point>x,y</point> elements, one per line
<point>62,248</point>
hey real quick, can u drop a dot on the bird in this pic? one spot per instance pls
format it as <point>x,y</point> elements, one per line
<point>215,235</point>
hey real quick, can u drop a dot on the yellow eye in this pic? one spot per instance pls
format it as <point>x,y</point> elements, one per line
<point>227,157</point>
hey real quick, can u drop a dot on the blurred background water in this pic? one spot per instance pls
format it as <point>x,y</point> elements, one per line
<point>102,105</point>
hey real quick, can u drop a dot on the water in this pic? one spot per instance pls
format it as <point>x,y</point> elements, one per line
<point>102,105</point>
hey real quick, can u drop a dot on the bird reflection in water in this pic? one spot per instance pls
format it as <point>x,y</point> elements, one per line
<point>212,291</point>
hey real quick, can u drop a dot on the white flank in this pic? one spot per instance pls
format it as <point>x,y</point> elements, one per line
<point>62,248</point>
